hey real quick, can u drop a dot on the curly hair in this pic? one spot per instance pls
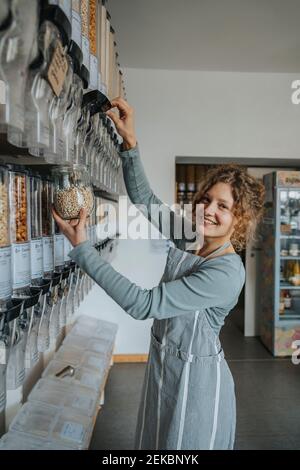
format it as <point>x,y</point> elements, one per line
<point>248,194</point>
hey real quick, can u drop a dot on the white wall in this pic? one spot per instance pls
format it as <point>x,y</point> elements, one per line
<point>210,114</point>
<point>195,114</point>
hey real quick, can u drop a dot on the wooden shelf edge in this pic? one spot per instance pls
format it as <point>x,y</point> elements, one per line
<point>130,358</point>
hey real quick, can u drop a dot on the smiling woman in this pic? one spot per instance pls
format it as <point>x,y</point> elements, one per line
<point>188,399</point>
<point>233,205</point>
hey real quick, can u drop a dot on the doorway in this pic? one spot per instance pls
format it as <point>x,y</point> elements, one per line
<point>190,172</point>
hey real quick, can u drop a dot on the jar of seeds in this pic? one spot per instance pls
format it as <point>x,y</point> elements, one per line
<point>4,208</point>
<point>72,191</point>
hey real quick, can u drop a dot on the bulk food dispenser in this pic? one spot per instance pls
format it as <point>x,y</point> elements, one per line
<point>48,329</point>
<point>62,288</point>
<point>9,318</point>
<point>44,81</point>
<point>18,48</point>
<point>19,203</point>
<point>52,105</point>
<point>6,304</point>
<point>80,79</point>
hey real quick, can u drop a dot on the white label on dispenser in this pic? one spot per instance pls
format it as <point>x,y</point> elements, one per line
<point>86,52</point>
<point>76,28</point>
<point>48,259</point>
<point>5,272</point>
<point>3,353</point>
<point>67,249</point>
<point>58,250</point>
<point>2,92</point>
<point>72,431</point>
<point>93,72</point>
<point>36,253</point>
<point>20,265</point>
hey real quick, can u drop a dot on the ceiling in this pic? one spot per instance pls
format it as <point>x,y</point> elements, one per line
<point>216,35</point>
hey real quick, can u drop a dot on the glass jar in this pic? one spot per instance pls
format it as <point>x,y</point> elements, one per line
<point>47,199</point>
<point>19,229</point>
<point>93,26</point>
<point>72,191</point>
<point>35,185</point>
<point>38,96</point>
<point>85,18</point>
<point>5,248</point>
<point>4,208</point>
<point>59,260</point>
<point>47,227</point>
<point>36,243</point>
<point>18,47</point>
<point>19,206</point>
<point>94,66</point>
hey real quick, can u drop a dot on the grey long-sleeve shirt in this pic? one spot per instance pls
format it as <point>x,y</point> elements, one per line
<point>213,286</point>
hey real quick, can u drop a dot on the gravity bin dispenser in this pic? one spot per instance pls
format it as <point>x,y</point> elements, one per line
<point>58,149</point>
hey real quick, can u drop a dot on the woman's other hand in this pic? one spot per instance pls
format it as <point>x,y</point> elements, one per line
<point>124,123</point>
<point>74,229</point>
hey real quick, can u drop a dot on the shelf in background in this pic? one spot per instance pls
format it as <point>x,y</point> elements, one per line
<point>288,286</point>
<point>289,257</point>
<point>290,236</point>
<point>287,322</point>
<point>290,313</point>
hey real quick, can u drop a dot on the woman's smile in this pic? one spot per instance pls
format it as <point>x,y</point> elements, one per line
<point>209,221</point>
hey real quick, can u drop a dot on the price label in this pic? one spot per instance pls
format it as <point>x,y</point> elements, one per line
<point>21,265</point>
<point>5,272</point>
<point>58,69</point>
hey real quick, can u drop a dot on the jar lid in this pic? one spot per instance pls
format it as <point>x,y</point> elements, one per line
<point>3,167</point>
<point>60,168</point>
<point>76,55</point>
<point>97,102</point>
<point>84,74</point>
<point>33,174</point>
<point>57,16</point>
<point>45,285</point>
<point>14,309</point>
<point>7,21</point>
<point>14,168</point>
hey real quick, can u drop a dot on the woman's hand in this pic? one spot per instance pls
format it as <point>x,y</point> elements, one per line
<point>125,123</point>
<point>74,229</point>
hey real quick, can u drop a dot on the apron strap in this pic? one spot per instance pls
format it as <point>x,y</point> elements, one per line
<point>217,250</point>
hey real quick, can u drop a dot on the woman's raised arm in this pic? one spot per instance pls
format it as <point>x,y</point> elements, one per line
<point>170,224</point>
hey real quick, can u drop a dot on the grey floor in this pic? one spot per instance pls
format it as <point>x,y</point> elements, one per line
<point>267,389</point>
